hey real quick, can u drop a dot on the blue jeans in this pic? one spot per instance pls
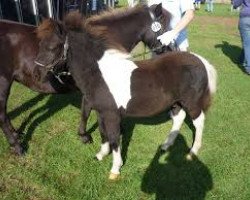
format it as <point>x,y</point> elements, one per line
<point>244,28</point>
<point>210,5</point>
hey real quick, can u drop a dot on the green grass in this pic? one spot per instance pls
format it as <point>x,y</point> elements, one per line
<point>59,166</point>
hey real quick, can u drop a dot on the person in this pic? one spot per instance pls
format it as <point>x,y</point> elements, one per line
<point>244,28</point>
<point>182,14</point>
<point>232,9</point>
<point>197,4</point>
<point>210,5</point>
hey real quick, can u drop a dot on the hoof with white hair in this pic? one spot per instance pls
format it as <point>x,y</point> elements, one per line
<point>98,157</point>
<point>164,147</point>
<point>190,156</point>
<point>113,176</point>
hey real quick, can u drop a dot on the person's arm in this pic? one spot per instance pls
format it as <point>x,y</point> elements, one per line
<point>237,3</point>
<point>185,20</point>
<point>167,37</point>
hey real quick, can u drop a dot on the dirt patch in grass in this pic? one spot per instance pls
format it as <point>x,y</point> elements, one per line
<point>226,21</point>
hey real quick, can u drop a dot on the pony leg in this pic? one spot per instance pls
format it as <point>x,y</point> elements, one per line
<point>8,130</point>
<point>111,123</point>
<point>105,147</point>
<point>199,125</point>
<point>178,117</point>
<point>117,163</point>
<point>85,110</point>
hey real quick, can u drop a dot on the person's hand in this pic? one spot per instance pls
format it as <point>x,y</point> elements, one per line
<point>167,37</point>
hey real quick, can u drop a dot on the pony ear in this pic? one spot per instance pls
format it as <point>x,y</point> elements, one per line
<point>158,10</point>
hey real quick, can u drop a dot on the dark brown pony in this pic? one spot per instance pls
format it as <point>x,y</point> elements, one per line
<point>19,47</point>
<point>117,87</point>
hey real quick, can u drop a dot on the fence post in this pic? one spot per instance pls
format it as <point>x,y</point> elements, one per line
<point>19,11</point>
<point>35,11</point>
<point>1,14</point>
<point>50,8</point>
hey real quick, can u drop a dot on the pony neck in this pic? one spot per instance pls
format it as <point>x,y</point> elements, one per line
<point>124,28</point>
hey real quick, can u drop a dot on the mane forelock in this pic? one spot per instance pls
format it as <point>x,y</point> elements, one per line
<point>45,28</point>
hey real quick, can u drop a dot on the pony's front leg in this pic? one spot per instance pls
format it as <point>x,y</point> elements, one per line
<point>199,125</point>
<point>111,123</point>
<point>105,147</point>
<point>85,111</point>
<point>9,131</point>
<point>117,163</point>
<point>178,116</point>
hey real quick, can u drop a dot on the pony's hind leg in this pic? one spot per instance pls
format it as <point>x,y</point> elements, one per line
<point>8,130</point>
<point>199,125</point>
<point>178,116</point>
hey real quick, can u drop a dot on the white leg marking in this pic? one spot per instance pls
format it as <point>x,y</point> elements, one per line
<point>177,122</point>
<point>105,149</point>
<point>199,125</point>
<point>117,161</point>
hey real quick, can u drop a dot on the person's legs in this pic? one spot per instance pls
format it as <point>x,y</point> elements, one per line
<point>211,5</point>
<point>208,5</point>
<point>244,28</point>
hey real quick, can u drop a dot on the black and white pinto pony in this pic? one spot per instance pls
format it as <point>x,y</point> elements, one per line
<point>120,26</point>
<point>117,87</point>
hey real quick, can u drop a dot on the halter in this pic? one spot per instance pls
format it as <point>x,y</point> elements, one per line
<point>61,59</point>
<point>156,25</point>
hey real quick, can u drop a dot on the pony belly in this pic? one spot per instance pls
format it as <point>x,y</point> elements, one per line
<point>146,107</point>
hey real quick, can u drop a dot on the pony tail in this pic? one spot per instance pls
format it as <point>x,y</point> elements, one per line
<point>211,74</point>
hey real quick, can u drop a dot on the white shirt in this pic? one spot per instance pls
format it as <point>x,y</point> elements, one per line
<point>177,8</point>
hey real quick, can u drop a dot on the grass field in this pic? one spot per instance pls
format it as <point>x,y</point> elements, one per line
<point>58,166</point>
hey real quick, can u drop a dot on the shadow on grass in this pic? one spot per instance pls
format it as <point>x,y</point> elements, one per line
<point>235,53</point>
<point>128,125</point>
<point>54,104</point>
<point>174,177</point>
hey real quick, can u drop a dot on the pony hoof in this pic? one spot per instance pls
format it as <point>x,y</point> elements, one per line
<point>113,177</point>
<point>17,150</point>
<point>164,147</point>
<point>190,156</point>
<point>98,157</point>
<point>86,139</point>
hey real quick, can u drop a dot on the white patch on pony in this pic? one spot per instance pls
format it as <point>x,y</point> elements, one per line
<point>211,73</point>
<point>105,148</point>
<point>116,70</point>
<point>14,38</point>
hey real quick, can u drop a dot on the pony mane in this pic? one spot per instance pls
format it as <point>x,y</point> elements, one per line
<point>74,21</point>
<point>45,29</point>
<point>113,14</point>
<point>96,25</point>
